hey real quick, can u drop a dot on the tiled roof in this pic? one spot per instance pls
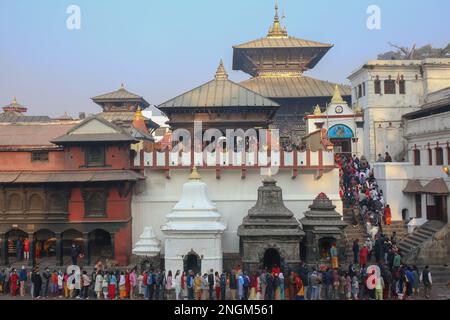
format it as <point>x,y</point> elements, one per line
<point>69,176</point>
<point>71,137</point>
<point>293,87</point>
<point>15,135</point>
<point>120,95</point>
<point>13,117</point>
<point>289,42</point>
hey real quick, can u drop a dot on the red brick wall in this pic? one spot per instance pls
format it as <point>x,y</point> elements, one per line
<point>21,161</point>
<point>123,245</point>
<point>117,208</point>
<point>72,158</point>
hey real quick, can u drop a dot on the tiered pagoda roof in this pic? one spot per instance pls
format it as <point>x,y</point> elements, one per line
<point>121,99</point>
<point>278,52</point>
<point>217,93</point>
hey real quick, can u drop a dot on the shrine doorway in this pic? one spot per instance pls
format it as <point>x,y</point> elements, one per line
<point>324,247</point>
<point>192,262</point>
<point>271,259</point>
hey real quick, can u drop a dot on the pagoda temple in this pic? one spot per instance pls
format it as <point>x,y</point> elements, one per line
<point>277,64</point>
<point>221,104</point>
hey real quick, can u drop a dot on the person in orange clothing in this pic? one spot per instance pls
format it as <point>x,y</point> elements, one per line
<point>26,248</point>
<point>38,250</point>
<point>387,215</point>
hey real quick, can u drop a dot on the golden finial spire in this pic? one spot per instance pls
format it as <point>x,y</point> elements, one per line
<point>317,111</point>
<point>138,114</point>
<point>194,174</point>
<point>221,74</point>
<point>337,98</point>
<point>14,100</point>
<point>276,31</point>
<point>357,108</point>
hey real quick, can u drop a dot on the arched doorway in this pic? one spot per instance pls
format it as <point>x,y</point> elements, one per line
<point>340,136</point>
<point>15,239</point>
<point>192,262</point>
<point>271,259</point>
<point>70,237</point>
<point>100,244</point>
<point>45,244</point>
<point>324,247</point>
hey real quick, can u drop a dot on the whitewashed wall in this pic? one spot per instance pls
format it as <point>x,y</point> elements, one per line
<point>233,196</point>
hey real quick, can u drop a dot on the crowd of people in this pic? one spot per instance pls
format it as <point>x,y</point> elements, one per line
<point>306,283</point>
<point>361,194</point>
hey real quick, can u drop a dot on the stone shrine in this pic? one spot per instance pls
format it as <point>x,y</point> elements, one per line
<point>270,234</point>
<point>323,226</point>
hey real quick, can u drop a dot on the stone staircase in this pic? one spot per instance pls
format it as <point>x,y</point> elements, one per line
<point>359,232</point>
<point>409,244</point>
<point>440,275</point>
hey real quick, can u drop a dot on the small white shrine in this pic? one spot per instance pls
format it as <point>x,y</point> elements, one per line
<point>148,245</point>
<point>193,232</point>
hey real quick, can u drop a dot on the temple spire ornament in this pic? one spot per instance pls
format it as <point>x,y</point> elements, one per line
<point>194,174</point>
<point>337,98</point>
<point>317,111</point>
<point>221,73</point>
<point>276,30</point>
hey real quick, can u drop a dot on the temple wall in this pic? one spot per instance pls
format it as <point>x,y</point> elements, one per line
<point>233,195</point>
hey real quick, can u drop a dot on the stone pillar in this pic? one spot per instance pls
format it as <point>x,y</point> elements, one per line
<point>113,246</point>
<point>4,249</point>
<point>32,253</point>
<point>87,251</point>
<point>59,249</point>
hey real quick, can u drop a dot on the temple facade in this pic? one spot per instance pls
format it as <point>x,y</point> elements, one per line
<point>277,65</point>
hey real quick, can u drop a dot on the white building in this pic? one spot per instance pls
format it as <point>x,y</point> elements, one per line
<point>388,89</point>
<point>232,188</point>
<point>193,231</point>
<point>344,125</point>
<point>420,187</point>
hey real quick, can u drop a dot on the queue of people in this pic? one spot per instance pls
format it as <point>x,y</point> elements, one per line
<point>306,283</point>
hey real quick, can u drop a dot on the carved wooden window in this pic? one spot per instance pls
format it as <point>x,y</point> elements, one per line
<point>439,156</point>
<point>359,91</point>
<point>416,157</point>
<point>95,156</point>
<point>56,202</point>
<point>389,87</point>
<point>39,156</point>
<point>14,202</point>
<point>402,86</point>
<point>35,203</point>
<point>430,157</point>
<point>95,202</point>
<point>377,84</point>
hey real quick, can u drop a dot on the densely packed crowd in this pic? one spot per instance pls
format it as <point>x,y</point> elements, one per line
<point>360,192</point>
<point>306,283</point>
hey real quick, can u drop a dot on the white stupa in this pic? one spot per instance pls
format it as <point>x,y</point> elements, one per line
<point>193,230</point>
<point>148,245</point>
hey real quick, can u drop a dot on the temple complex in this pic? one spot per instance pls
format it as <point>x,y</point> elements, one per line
<point>277,64</point>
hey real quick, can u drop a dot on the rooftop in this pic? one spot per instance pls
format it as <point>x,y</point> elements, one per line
<point>219,92</point>
<point>120,95</point>
<point>293,87</point>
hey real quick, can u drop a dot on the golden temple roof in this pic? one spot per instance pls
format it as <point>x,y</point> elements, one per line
<point>293,87</point>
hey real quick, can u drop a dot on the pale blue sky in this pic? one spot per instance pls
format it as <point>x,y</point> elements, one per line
<point>160,49</point>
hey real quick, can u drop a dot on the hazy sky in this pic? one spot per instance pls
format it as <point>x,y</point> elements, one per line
<point>160,49</point>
